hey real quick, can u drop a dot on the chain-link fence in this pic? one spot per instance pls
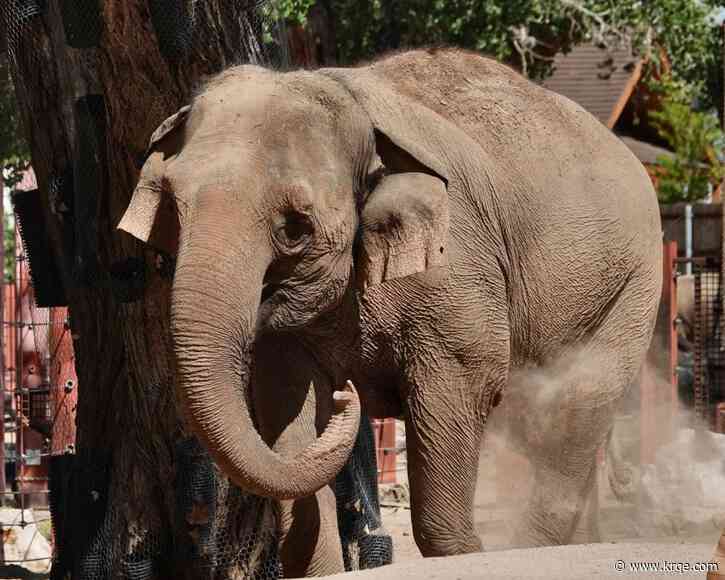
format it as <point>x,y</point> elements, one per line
<point>701,371</point>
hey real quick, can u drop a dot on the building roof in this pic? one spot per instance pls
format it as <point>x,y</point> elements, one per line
<point>647,153</point>
<point>599,80</point>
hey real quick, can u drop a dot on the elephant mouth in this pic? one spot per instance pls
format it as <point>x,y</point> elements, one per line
<point>268,290</point>
<point>268,303</point>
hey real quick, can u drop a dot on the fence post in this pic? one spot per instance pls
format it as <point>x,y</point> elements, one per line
<point>698,365</point>
<point>669,301</point>
<point>652,396</point>
<point>384,430</point>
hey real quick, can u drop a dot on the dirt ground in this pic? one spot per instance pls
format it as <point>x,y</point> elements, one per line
<point>560,563</point>
<point>503,485</point>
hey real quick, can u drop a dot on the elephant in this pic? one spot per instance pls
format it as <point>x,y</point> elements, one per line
<point>686,308</point>
<point>408,237</point>
<point>710,334</point>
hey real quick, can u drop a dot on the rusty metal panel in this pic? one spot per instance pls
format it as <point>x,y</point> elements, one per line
<point>720,418</point>
<point>384,430</point>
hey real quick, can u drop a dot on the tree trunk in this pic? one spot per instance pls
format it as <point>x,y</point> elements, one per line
<point>93,80</point>
<point>314,45</point>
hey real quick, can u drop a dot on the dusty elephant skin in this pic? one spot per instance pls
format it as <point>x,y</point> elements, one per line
<point>431,226</point>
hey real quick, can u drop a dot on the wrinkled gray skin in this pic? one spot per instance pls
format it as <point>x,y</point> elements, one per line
<point>509,228</point>
<point>686,308</point>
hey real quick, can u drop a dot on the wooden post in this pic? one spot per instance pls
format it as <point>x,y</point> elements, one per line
<point>652,397</point>
<point>64,383</point>
<point>384,430</point>
<point>669,300</point>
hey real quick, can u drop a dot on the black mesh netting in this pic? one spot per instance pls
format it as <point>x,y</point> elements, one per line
<point>218,541</point>
<point>81,23</point>
<point>365,544</point>
<point>34,234</point>
<point>173,22</point>
<point>217,532</point>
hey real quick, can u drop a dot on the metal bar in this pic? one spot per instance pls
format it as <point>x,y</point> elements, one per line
<point>670,283</point>
<point>698,260</point>
<point>688,237</point>
<point>653,395</point>
<point>699,345</point>
<point>32,324</point>
<point>19,374</point>
<point>24,526</point>
<point>3,485</point>
<point>39,491</point>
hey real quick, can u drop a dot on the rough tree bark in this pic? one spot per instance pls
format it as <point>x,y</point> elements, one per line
<point>314,44</point>
<point>93,80</point>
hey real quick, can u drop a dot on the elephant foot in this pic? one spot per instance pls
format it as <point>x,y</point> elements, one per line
<point>441,548</point>
<point>526,536</point>
<point>718,558</point>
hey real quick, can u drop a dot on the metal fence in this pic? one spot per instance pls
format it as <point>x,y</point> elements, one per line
<point>38,387</point>
<point>701,344</point>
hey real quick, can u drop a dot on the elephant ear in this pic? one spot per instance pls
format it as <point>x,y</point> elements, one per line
<point>403,228</point>
<point>151,216</point>
<point>405,219</point>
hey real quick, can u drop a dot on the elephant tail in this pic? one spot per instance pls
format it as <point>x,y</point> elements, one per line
<point>620,473</point>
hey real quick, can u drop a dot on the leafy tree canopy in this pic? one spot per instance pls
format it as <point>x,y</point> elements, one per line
<point>14,152</point>
<point>527,33</point>
<point>684,35</point>
<point>697,141</point>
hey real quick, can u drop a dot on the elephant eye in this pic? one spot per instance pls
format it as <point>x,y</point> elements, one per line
<point>295,228</point>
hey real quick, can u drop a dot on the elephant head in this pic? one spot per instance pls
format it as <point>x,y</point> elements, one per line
<point>261,190</point>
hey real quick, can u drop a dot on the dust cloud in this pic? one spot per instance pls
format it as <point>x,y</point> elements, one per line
<point>661,477</point>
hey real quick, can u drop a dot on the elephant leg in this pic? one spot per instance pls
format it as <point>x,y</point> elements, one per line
<point>443,446</point>
<point>556,506</point>
<point>586,530</point>
<point>561,417</point>
<point>310,542</point>
<point>293,402</point>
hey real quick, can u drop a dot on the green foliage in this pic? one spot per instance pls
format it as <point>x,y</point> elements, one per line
<point>9,241</point>
<point>697,142</point>
<point>690,39</point>
<point>290,11</point>
<point>14,152</point>
<point>15,159</point>
<point>46,529</point>
<point>528,32</point>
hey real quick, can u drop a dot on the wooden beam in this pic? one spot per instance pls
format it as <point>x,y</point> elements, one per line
<point>626,94</point>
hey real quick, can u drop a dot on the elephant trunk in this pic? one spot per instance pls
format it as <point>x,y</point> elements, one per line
<point>213,332</point>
